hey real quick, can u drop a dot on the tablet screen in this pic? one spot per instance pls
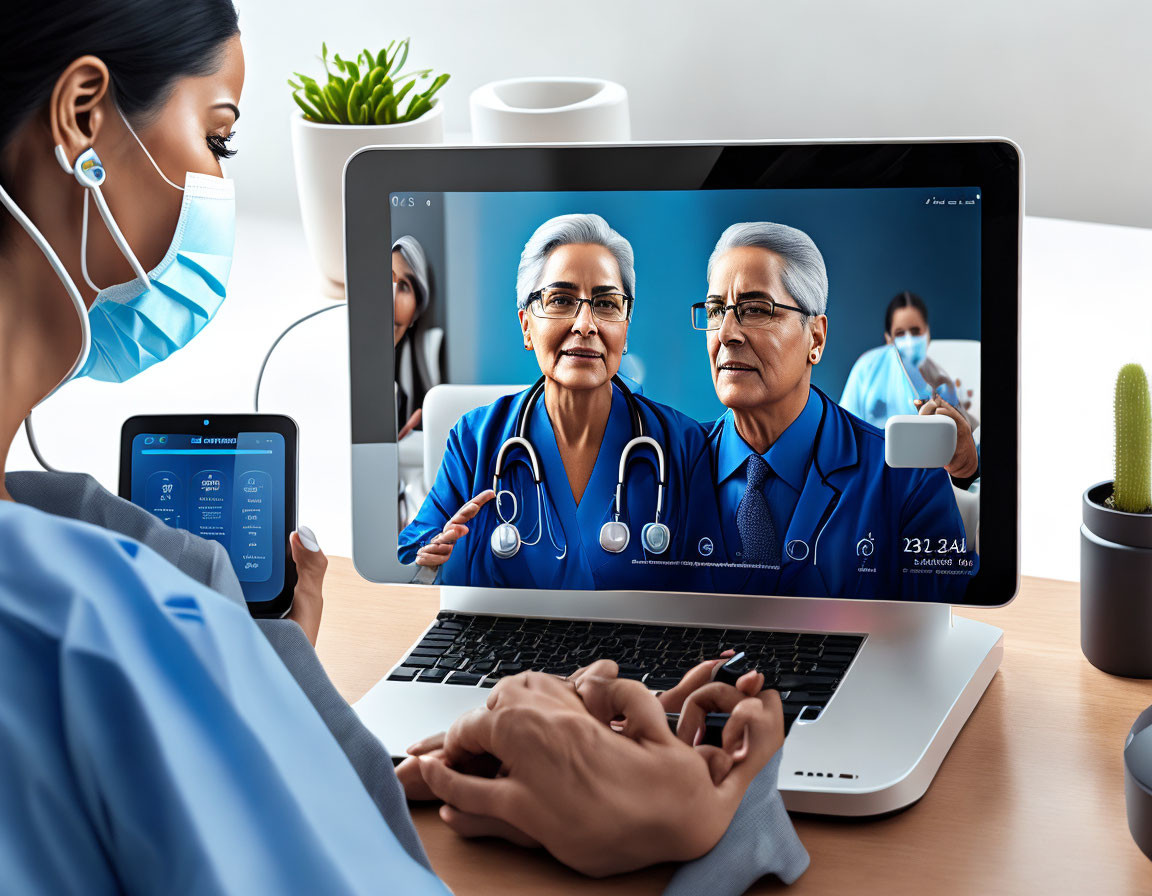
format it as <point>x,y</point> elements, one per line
<point>227,488</point>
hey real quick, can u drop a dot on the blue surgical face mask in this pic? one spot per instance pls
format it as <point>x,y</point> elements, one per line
<point>138,323</point>
<point>913,349</point>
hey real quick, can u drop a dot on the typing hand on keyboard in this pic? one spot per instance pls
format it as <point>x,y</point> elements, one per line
<point>416,790</point>
<point>600,800</point>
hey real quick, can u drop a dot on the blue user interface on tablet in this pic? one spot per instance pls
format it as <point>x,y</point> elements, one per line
<point>225,488</point>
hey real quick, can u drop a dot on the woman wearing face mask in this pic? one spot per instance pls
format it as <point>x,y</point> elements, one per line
<point>899,378</point>
<point>154,737</point>
<point>884,382</point>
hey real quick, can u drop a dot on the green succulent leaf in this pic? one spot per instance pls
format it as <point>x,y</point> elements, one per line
<point>402,52</point>
<point>416,108</point>
<point>403,91</point>
<point>355,101</point>
<point>310,112</point>
<point>336,103</point>
<point>436,85</point>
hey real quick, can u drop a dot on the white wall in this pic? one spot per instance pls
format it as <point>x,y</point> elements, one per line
<point>1068,80</point>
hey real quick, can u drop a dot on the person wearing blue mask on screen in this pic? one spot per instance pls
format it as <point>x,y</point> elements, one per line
<point>808,504</point>
<point>895,377</point>
<point>578,482</point>
<point>899,378</point>
<point>155,738</point>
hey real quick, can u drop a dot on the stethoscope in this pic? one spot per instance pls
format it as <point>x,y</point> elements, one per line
<point>615,533</point>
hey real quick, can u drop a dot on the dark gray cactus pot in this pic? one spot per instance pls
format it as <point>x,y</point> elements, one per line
<point>1115,586</point>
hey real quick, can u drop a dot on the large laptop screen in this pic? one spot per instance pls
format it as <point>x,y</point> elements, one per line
<point>690,390</point>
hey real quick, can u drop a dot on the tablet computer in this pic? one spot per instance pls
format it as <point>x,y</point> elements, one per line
<point>230,478</point>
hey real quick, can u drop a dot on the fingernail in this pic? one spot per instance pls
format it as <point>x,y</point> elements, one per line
<point>308,539</point>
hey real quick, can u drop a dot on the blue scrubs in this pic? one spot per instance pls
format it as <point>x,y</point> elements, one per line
<point>848,525</point>
<point>153,742</point>
<point>568,554</point>
<point>877,387</point>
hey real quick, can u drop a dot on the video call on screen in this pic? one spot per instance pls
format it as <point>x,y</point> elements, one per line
<point>227,489</point>
<point>828,517</point>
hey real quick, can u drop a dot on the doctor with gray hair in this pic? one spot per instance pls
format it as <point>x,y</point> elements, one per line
<point>801,483</point>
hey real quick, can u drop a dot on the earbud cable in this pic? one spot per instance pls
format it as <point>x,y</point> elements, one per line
<point>283,333</point>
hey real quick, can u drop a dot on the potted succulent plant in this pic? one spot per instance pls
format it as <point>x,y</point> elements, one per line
<point>1116,543</point>
<point>367,101</point>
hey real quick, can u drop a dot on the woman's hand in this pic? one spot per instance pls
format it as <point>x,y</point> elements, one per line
<point>417,790</point>
<point>965,460</point>
<point>308,598</point>
<point>437,551</point>
<point>590,769</point>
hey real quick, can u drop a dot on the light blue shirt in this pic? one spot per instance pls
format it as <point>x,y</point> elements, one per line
<point>153,741</point>
<point>788,458</point>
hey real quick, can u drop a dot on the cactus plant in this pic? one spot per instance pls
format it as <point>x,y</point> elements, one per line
<point>1132,489</point>
<point>365,91</point>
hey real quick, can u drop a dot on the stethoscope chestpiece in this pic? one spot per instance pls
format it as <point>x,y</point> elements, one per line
<point>505,541</point>
<point>656,537</point>
<point>614,536</point>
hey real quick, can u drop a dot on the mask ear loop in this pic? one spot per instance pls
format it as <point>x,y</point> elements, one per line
<point>140,143</point>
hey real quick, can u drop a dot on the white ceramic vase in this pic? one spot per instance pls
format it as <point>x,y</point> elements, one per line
<point>550,110</point>
<point>319,152</point>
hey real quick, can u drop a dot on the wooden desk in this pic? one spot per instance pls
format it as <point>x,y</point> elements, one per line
<point>1029,800</point>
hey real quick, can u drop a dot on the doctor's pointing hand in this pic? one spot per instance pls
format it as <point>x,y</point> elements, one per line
<point>439,548</point>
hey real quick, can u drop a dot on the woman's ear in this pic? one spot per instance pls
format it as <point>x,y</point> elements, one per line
<point>524,318</point>
<point>76,108</point>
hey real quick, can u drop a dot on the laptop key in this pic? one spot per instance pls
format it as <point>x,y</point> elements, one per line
<point>467,678</point>
<point>432,675</point>
<point>403,673</point>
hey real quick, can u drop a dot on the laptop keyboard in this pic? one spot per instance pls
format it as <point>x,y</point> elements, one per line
<point>477,651</point>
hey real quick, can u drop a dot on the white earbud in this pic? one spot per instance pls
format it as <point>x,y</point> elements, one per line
<point>90,173</point>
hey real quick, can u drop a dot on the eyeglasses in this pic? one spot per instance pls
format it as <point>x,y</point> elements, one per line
<point>560,304</point>
<point>750,313</point>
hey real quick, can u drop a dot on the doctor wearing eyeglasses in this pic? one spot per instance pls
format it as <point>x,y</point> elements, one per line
<point>578,482</point>
<point>808,505</point>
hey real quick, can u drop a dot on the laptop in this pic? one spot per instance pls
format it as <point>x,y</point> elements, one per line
<point>690,374</point>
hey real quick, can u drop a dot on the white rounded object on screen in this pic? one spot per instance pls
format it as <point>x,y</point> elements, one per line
<point>550,110</point>
<point>923,442</point>
<point>505,541</point>
<point>614,536</point>
<point>656,538</point>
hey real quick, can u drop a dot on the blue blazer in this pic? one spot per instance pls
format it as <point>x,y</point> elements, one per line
<point>862,528</point>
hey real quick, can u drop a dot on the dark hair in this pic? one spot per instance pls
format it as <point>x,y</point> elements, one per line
<point>147,45</point>
<point>904,300</point>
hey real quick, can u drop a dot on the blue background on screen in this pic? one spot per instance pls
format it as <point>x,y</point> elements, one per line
<point>229,490</point>
<point>876,243</point>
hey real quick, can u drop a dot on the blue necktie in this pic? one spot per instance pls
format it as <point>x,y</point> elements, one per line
<point>753,519</point>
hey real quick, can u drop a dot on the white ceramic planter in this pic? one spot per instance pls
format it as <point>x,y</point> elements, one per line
<point>550,110</point>
<point>319,152</point>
